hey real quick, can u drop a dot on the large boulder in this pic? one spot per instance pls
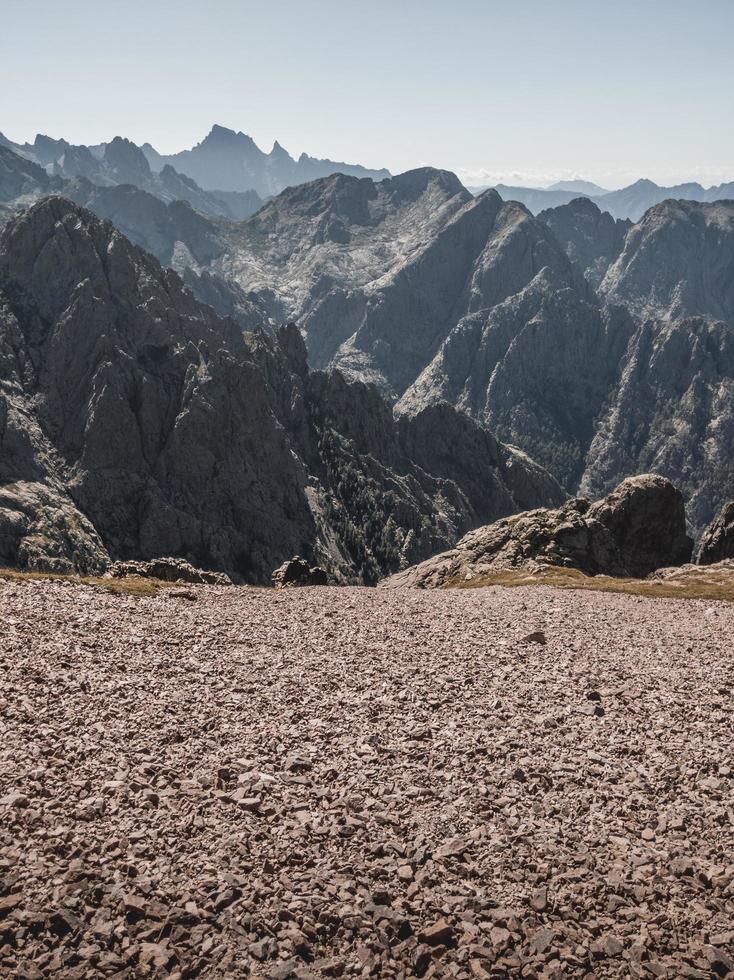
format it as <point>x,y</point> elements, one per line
<point>297,572</point>
<point>646,518</point>
<point>639,527</point>
<point>717,542</point>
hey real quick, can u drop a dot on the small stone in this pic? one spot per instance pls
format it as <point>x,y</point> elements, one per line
<point>539,899</point>
<point>17,800</point>
<point>440,933</point>
<point>453,848</point>
<point>542,940</point>
<point>538,636</point>
<point>9,902</point>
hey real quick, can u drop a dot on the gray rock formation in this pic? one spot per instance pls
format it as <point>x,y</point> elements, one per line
<point>435,296</point>
<point>677,262</point>
<point>717,541</point>
<point>146,425</point>
<point>167,570</point>
<point>297,573</point>
<point>591,238</point>
<point>638,528</point>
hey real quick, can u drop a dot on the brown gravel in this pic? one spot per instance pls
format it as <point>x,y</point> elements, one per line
<point>325,782</point>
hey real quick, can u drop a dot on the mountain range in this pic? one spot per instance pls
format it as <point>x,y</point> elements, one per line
<point>225,174</point>
<point>135,422</point>
<point>597,346</point>
<point>228,175</point>
<point>626,203</point>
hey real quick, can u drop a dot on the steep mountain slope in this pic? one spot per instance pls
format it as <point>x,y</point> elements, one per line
<point>136,423</point>
<point>672,412</point>
<point>437,296</point>
<point>590,237</point>
<point>474,302</point>
<point>440,297</point>
<point>673,408</point>
<point>230,161</point>
<point>678,261</point>
<point>21,182</point>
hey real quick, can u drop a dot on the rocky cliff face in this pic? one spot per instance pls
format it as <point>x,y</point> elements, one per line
<point>137,423</point>
<point>717,542</point>
<point>597,351</point>
<point>435,296</point>
<point>677,262</point>
<point>590,237</point>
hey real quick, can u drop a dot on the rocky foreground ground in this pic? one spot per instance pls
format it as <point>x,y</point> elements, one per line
<point>348,782</point>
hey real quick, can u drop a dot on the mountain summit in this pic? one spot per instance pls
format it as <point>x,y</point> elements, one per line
<point>231,161</point>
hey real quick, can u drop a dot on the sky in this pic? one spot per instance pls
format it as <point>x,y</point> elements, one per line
<point>527,91</point>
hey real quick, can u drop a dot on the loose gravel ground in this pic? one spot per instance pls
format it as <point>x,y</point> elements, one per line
<point>348,782</point>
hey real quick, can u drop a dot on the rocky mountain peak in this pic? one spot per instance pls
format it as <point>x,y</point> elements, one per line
<point>47,150</point>
<point>413,183</point>
<point>127,162</point>
<point>677,261</point>
<point>279,153</point>
<point>220,137</point>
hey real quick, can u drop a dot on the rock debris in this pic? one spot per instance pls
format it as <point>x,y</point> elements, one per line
<point>352,782</point>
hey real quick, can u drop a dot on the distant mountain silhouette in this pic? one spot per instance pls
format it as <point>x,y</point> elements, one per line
<point>628,202</point>
<point>230,161</point>
<point>121,162</point>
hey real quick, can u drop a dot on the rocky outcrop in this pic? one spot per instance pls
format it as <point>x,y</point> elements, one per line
<point>296,573</point>
<point>717,541</point>
<point>42,530</point>
<point>167,570</point>
<point>636,529</point>
<point>130,381</point>
<point>172,432</point>
<point>591,237</point>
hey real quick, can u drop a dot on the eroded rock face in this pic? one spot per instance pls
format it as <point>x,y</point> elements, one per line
<point>717,542</point>
<point>168,570</point>
<point>435,296</point>
<point>590,236</point>
<point>170,432</point>
<point>42,530</point>
<point>296,572</point>
<point>636,529</point>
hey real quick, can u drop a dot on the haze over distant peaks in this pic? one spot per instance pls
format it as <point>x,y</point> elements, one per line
<point>223,164</point>
<point>585,187</point>
<point>627,202</point>
<point>231,161</point>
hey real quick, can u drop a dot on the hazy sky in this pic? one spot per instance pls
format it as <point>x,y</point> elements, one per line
<point>526,90</point>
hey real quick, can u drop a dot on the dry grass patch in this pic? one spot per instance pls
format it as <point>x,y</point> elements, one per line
<point>132,585</point>
<point>693,583</point>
